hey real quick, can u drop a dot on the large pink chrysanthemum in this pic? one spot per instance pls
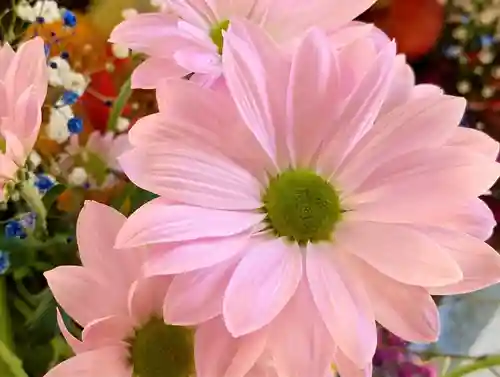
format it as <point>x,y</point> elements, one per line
<point>328,195</point>
<point>189,37</point>
<point>23,87</point>
<point>121,314</point>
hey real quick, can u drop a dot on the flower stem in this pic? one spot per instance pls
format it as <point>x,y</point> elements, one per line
<point>481,363</point>
<point>34,200</point>
<point>5,333</point>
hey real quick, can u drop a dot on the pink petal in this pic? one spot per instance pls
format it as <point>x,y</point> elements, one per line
<point>224,10</point>
<point>190,256</point>
<point>195,12</point>
<point>150,73</point>
<point>256,73</point>
<point>404,183</point>
<point>76,344</point>
<point>198,60</point>
<point>360,111</point>
<point>7,55</point>
<point>109,362</point>
<point>80,294</point>
<point>108,331</point>
<point>8,168</point>
<point>427,121</point>
<point>192,176</point>
<point>28,68</point>
<point>262,284</point>
<point>401,87</point>
<point>96,252</point>
<point>159,221</point>
<point>400,252</point>
<point>147,296</point>
<point>289,18</point>
<point>342,302</point>
<point>474,218</point>
<point>299,341</point>
<point>479,262</point>
<point>407,311</point>
<point>214,123</point>
<point>476,140</point>
<point>21,128</point>
<point>118,267</point>
<point>347,367</point>
<point>15,149</point>
<point>155,34</point>
<point>218,354</point>
<point>426,90</point>
<point>196,297</point>
<point>312,95</point>
<point>346,35</point>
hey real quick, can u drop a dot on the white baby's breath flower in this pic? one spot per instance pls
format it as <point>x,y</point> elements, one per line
<point>129,12</point>
<point>78,176</point>
<point>48,10</point>
<point>122,124</point>
<point>57,67</point>
<point>35,159</point>
<point>119,51</point>
<point>25,11</point>
<point>57,128</point>
<point>75,82</point>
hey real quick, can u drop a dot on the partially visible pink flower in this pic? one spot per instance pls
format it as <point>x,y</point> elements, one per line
<point>188,38</point>
<point>23,87</point>
<point>107,147</point>
<point>305,206</point>
<point>120,311</point>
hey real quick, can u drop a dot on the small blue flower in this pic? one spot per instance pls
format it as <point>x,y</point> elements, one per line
<point>75,125</point>
<point>452,52</point>
<point>28,220</point>
<point>69,18</point>
<point>487,40</point>
<point>69,97</point>
<point>43,183</point>
<point>40,20</point>
<point>4,262</point>
<point>13,228</point>
<point>46,48</point>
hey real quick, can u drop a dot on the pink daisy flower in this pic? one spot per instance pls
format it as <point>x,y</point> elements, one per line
<point>107,147</point>
<point>23,87</point>
<point>121,314</point>
<point>188,38</point>
<point>323,193</point>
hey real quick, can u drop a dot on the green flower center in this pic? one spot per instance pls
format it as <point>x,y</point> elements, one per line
<point>216,34</point>
<point>161,350</point>
<point>301,206</point>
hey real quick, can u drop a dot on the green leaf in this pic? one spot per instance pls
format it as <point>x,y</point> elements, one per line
<point>96,167</point>
<point>43,324</point>
<point>51,196</point>
<point>118,201</point>
<point>10,364</point>
<point>119,104</point>
<point>5,324</point>
<point>140,197</point>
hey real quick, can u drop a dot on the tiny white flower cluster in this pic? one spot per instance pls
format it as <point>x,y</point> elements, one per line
<point>57,127</point>
<point>48,10</point>
<point>62,75</point>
